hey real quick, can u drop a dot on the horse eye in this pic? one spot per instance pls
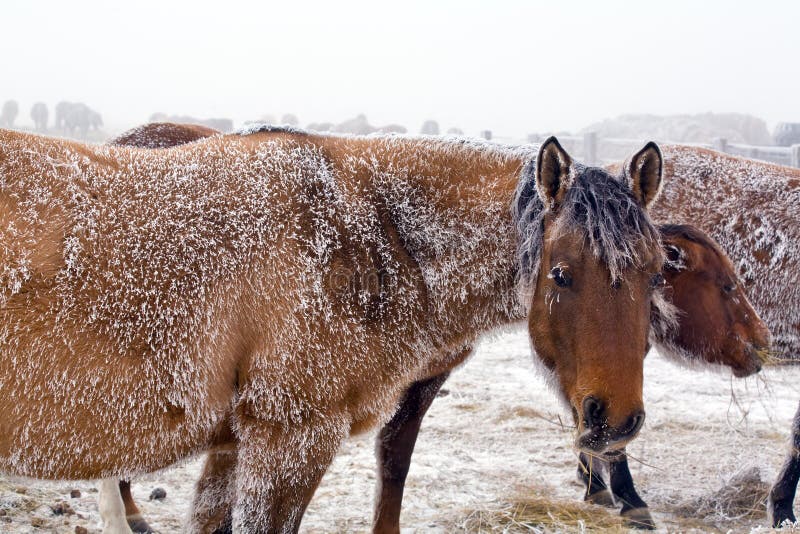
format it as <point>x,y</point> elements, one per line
<point>657,281</point>
<point>728,288</point>
<point>560,276</point>
<point>673,253</point>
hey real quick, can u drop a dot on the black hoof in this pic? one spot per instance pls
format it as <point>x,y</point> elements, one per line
<point>138,524</point>
<point>779,513</point>
<point>639,518</point>
<point>779,506</point>
<point>602,497</point>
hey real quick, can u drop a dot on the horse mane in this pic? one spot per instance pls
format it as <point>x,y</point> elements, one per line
<point>690,233</point>
<point>614,224</point>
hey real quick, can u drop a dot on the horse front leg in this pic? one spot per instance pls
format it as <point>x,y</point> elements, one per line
<point>111,508</point>
<point>634,509</point>
<point>781,497</point>
<point>215,493</point>
<point>393,448</point>
<point>591,470</point>
<point>278,468</point>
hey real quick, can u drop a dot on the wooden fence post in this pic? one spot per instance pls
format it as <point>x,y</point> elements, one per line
<point>795,156</point>
<point>590,148</point>
<point>720,144</point>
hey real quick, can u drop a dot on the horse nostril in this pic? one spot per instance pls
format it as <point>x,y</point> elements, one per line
<point>634,424</point>
<point>593,411</point>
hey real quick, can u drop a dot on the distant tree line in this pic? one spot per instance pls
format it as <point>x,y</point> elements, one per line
<point>71,118</point>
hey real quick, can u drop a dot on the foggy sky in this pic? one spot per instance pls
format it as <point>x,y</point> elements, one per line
<point>512,67</point>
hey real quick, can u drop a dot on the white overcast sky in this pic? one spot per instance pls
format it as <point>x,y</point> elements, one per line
<point>510,66</point>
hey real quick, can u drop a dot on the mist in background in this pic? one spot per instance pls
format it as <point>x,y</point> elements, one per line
<point>510,67</point>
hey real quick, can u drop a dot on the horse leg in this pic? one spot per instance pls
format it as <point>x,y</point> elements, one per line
<point>634,509</point>
<point>133,515</point>
<point>278,468</point>
<point>112,509</point>
<point>215,493</point>
<point>590,472</point>
<point>781,497</point>
<point>394,446</point>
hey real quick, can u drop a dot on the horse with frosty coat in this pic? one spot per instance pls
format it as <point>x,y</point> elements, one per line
<point>701,283</point>
<point>280,290</point>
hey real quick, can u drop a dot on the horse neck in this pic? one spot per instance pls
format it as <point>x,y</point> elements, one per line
<point>451,205</point>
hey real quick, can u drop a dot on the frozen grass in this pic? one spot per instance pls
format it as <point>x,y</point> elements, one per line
<point>530,511</point>
<point>743,495</point>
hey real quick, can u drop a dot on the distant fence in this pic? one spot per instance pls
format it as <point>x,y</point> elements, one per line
<point>595,150</point>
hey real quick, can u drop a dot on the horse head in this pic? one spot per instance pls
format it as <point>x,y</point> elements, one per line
<point>590,265</point>
<point>716,323</point>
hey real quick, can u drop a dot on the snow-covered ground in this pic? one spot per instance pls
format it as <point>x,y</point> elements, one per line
<point>494,434</point>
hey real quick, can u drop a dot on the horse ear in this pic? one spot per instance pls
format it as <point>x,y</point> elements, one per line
<point>644,171</point>
<point>553,177</point>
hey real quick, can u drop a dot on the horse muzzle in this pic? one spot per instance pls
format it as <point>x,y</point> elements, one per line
<point>756,357</point>
<point>600,437</point>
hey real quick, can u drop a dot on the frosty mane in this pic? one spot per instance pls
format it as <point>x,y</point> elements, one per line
<point>615,227</point>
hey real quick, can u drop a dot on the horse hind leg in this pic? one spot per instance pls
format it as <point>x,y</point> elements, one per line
<point>112,509</point>
<point>133,515</point>
<point>393,448</point>
<point>781,497</point>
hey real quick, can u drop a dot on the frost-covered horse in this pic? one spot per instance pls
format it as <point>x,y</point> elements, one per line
<point>701,283</point>
<point>282,289</point>
<point>692,260</point>
<point>752,209</point>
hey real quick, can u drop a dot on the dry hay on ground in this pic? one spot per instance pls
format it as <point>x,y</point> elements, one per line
<point>743,495</point>
<point>526,512</point>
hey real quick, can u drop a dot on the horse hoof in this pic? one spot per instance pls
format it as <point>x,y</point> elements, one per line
<point>778,517</point>
<point>779,511</point>
<point>639,518</point>
<point>602,497</point>
<point>138,524</point>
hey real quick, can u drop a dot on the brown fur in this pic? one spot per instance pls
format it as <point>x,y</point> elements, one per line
<point>96,307</point>
<point>705,265</point>
<point>163,135</point>
<point>716,319</point>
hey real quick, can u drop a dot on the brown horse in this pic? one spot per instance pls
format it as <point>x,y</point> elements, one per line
<point>752,209</point>
<point>693,258</point>
<point>282,289</point>
<point>695,267</point>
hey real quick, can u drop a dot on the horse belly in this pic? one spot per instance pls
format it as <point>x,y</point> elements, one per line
<point>99,420</point>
